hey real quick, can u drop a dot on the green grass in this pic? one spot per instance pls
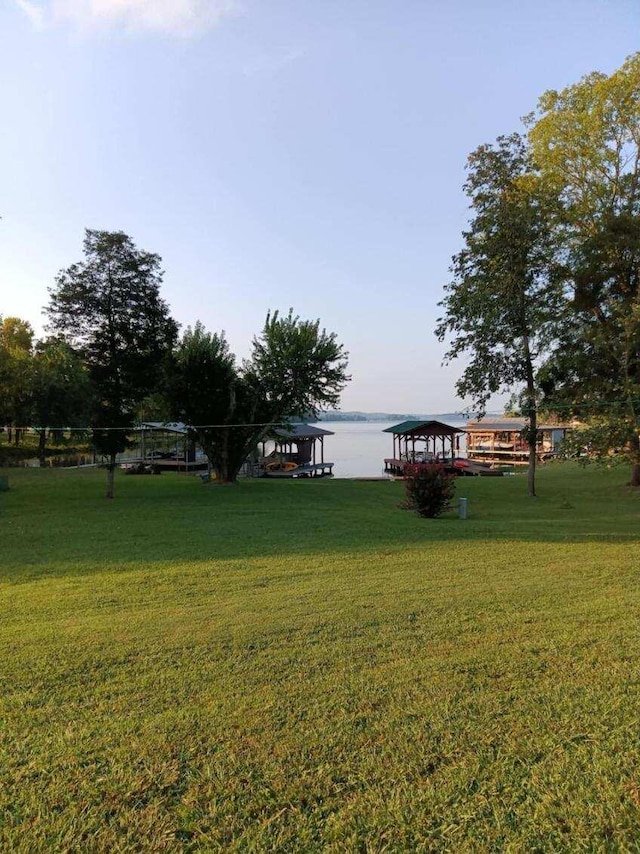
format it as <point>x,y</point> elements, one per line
<point>302,666</point>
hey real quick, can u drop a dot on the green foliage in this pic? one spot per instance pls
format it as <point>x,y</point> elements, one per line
<point>429,489</point>
<point>546,292</point>
<point>301,367</point>
<point>295,367</point>
<point>506,301</point>
<point>154,407</point>
<point>595,373</point>
<point>61,393</point>
<point>61,390</point>
<point>108,308</point>
<point>16,336</point>
<point>586,142</point>
<point>16,350</point>
<point>296,666</point>
<point>601,440</point>
<point>503,303</point>
<point>207,389</point>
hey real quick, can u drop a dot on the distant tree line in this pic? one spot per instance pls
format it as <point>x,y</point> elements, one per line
<point>113,345</point>
<point>545,291</point>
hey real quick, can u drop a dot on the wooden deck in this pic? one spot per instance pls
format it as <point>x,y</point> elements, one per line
<point>461,467</point>
<point>506,457</point>
<point>394,466</point>
<point>305,470</point>
<point>176,465</point>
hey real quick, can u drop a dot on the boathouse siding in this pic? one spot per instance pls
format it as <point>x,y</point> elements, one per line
<point>503,441</point>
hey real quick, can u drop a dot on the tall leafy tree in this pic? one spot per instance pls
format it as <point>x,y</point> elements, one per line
<point>205,390</point>
<point>295,366</point>
<point>503,305</point>
<point>586,143</point>
<point>61,393</point>
<point>108,308</point>
<point>16,351</point>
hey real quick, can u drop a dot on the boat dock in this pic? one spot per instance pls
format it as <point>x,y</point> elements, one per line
<point>303,470</point>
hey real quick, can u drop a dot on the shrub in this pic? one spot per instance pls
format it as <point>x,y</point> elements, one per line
<point>429,488</point>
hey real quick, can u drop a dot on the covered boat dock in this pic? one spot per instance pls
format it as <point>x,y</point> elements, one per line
<point>298,452</point>
<point>166,446</point>
<point>422,442</point>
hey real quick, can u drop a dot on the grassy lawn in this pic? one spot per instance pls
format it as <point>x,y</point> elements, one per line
<point>301,666</point>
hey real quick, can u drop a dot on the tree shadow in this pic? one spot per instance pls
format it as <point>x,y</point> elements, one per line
<point>59,522</point>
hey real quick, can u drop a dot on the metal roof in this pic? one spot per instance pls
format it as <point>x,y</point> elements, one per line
<point>169,426</point>
<point>491,426</point>
<point>423,428</point>
<point>507,425</point>
<point>301,431</point>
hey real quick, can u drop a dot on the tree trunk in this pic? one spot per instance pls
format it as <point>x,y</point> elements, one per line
<point>635,459</point>
<point>226,455</point>
<point>533,437</point>
<point>42,439</point>
<point>111,469</point>
<point>532,416</point>
<point>217,461</point>
<point>225,472</point>
<point>225,475</point>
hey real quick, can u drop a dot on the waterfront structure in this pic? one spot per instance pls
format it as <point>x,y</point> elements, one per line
<point>167,446</point>
<point>298,452</point>
<point>422,442</point>
<point>503,441</point>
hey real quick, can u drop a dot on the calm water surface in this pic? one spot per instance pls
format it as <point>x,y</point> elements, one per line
<point>359,448</point>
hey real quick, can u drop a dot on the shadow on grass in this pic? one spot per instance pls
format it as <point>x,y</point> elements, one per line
<point>58,521</point>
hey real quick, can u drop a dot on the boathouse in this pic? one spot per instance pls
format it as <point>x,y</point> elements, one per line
<point>298,452</point>
<point>422,442</point>
<point>503,440</point>
<point>167,446</point>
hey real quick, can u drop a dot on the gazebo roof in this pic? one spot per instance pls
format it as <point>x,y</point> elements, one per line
<point>301,431</point>
<point>420,429</point>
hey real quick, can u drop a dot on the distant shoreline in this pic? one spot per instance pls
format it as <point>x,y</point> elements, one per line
<point>391,416</point>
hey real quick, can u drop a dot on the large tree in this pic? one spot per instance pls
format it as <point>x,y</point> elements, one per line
<point>586,144</point>
<point>16,352</point>
<point>61,394</point>
<point>295,367</point>
<point>503,305</point>
<point>108,308</point>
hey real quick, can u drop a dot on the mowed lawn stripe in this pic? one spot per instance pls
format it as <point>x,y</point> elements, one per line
<point>305,666</point>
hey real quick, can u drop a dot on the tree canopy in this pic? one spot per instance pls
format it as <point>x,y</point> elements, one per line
<point>61,393</point>
<point>586,144</point>
<point>504,304</point>
<point>585,140</point>
<point>295,366</point>
<point>545,292</point>
<point>16,348</point>
<point>108,308</point>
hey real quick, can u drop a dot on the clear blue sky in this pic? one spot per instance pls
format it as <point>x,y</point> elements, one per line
<point>277,153</point>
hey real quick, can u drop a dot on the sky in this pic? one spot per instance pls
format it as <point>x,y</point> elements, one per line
<point>277,154</point>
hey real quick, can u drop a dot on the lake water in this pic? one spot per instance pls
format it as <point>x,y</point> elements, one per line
<point>359,448</point>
